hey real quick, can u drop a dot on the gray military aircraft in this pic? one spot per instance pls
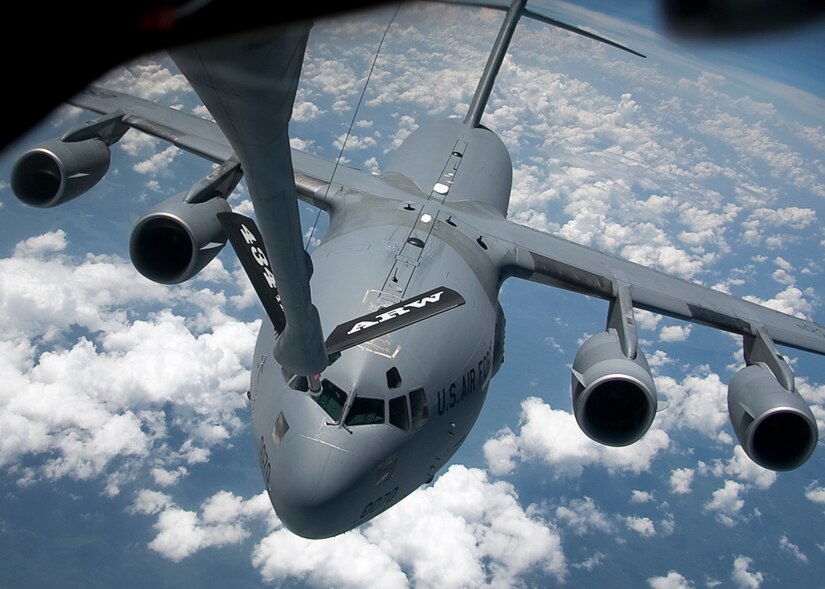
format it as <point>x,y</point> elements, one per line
<point>350,424</point>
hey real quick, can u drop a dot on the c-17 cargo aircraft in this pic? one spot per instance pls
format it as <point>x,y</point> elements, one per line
<point>375,355</point>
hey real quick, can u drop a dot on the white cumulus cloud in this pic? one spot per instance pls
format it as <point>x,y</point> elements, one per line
<point>787,546</point>
<point>582,516</point>
<point>743,577</point>
<point>552,436</point>
<point>745,469</point>
<point>223,520</point>
<point>41,244</point>
<point>680,480</point>
<point>148,80</point>
<point>815,494</point>
<point>792,300</point>
<point>89,390</point>
<point>463,531</point>
<point>641,525</point>
<point>158,162</point>
<point>727,503</point>
<point>674,333</point>
<point>672,580</point>
<point>698,402</point>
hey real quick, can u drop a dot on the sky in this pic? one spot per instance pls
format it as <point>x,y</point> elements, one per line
<point>126,450</point>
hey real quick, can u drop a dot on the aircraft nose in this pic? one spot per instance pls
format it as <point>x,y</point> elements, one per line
<point>299,470</point>
<point>309,484</point>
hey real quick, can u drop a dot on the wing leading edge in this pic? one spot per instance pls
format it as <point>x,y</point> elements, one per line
<point>201,137</point>
<point>313,175</point>
<point>541,257</point>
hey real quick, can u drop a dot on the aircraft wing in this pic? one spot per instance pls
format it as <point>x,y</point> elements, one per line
<point>205,139</point>
<point>544,258</point>
<point>313,174</point>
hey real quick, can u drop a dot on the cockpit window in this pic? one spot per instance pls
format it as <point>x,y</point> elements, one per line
<point>399,414</point>
<point>418,404</point>
<point>332,400</point>
<point>365,411</point>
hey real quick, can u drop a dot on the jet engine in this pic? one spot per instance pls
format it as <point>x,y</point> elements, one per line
<point>775,426</point>
<point>57,171</point>
<point>614,397</point>
<point>177,239</point>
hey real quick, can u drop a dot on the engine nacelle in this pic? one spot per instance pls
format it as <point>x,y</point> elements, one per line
<point>776,427</point>
<point>177,239</point>
<point>614,397</point>
<point>57,171</point>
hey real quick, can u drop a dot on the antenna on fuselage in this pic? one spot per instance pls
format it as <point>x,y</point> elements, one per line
<point>505,35</point>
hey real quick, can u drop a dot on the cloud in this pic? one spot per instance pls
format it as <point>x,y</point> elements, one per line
<point>405,126</point>
<point>135,143</point>
<point>166,478</point>
<point>583,517</point>
<point>349,560</point>
<point>356,142</point>
<point>680,480</point>
<point>705,227</point>
<point>89,390</point>
<point>777,228</point>
<point>646,319</point>
<point>641,525</point>
<point>483,537</point>
<point>658,359</point>
<point>41,244</point>
<point>222,521</point>
<point>591,562</point>
<point>305,111</point>
<point>552,436</point>
<point>500,452</point>
<point>302,144</point>
<point>157,163</point>
<point>203,112</point>
<point>605,216</point>
<point>698,402</point>
<point>784,272</point>
<point>745,469</point>
<point>148,80</point>
<point>792,301</point>
<point>55,292</point>
<point>742,575</point>
<point>667,525</point>
<point>674,333</point>
<point>815,494</point>
<point>641,497</point>
<point>329,76</point>
<point>792,549</point>
<point>672,580</point>
<point>726,503</point>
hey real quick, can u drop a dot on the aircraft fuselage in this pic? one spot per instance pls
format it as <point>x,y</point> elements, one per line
<point>392,411</point>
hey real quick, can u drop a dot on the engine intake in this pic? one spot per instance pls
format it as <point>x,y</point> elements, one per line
<point>57,171</point>
<point>177,239</point>
<point>614,397</point>
<point>776,427</point>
